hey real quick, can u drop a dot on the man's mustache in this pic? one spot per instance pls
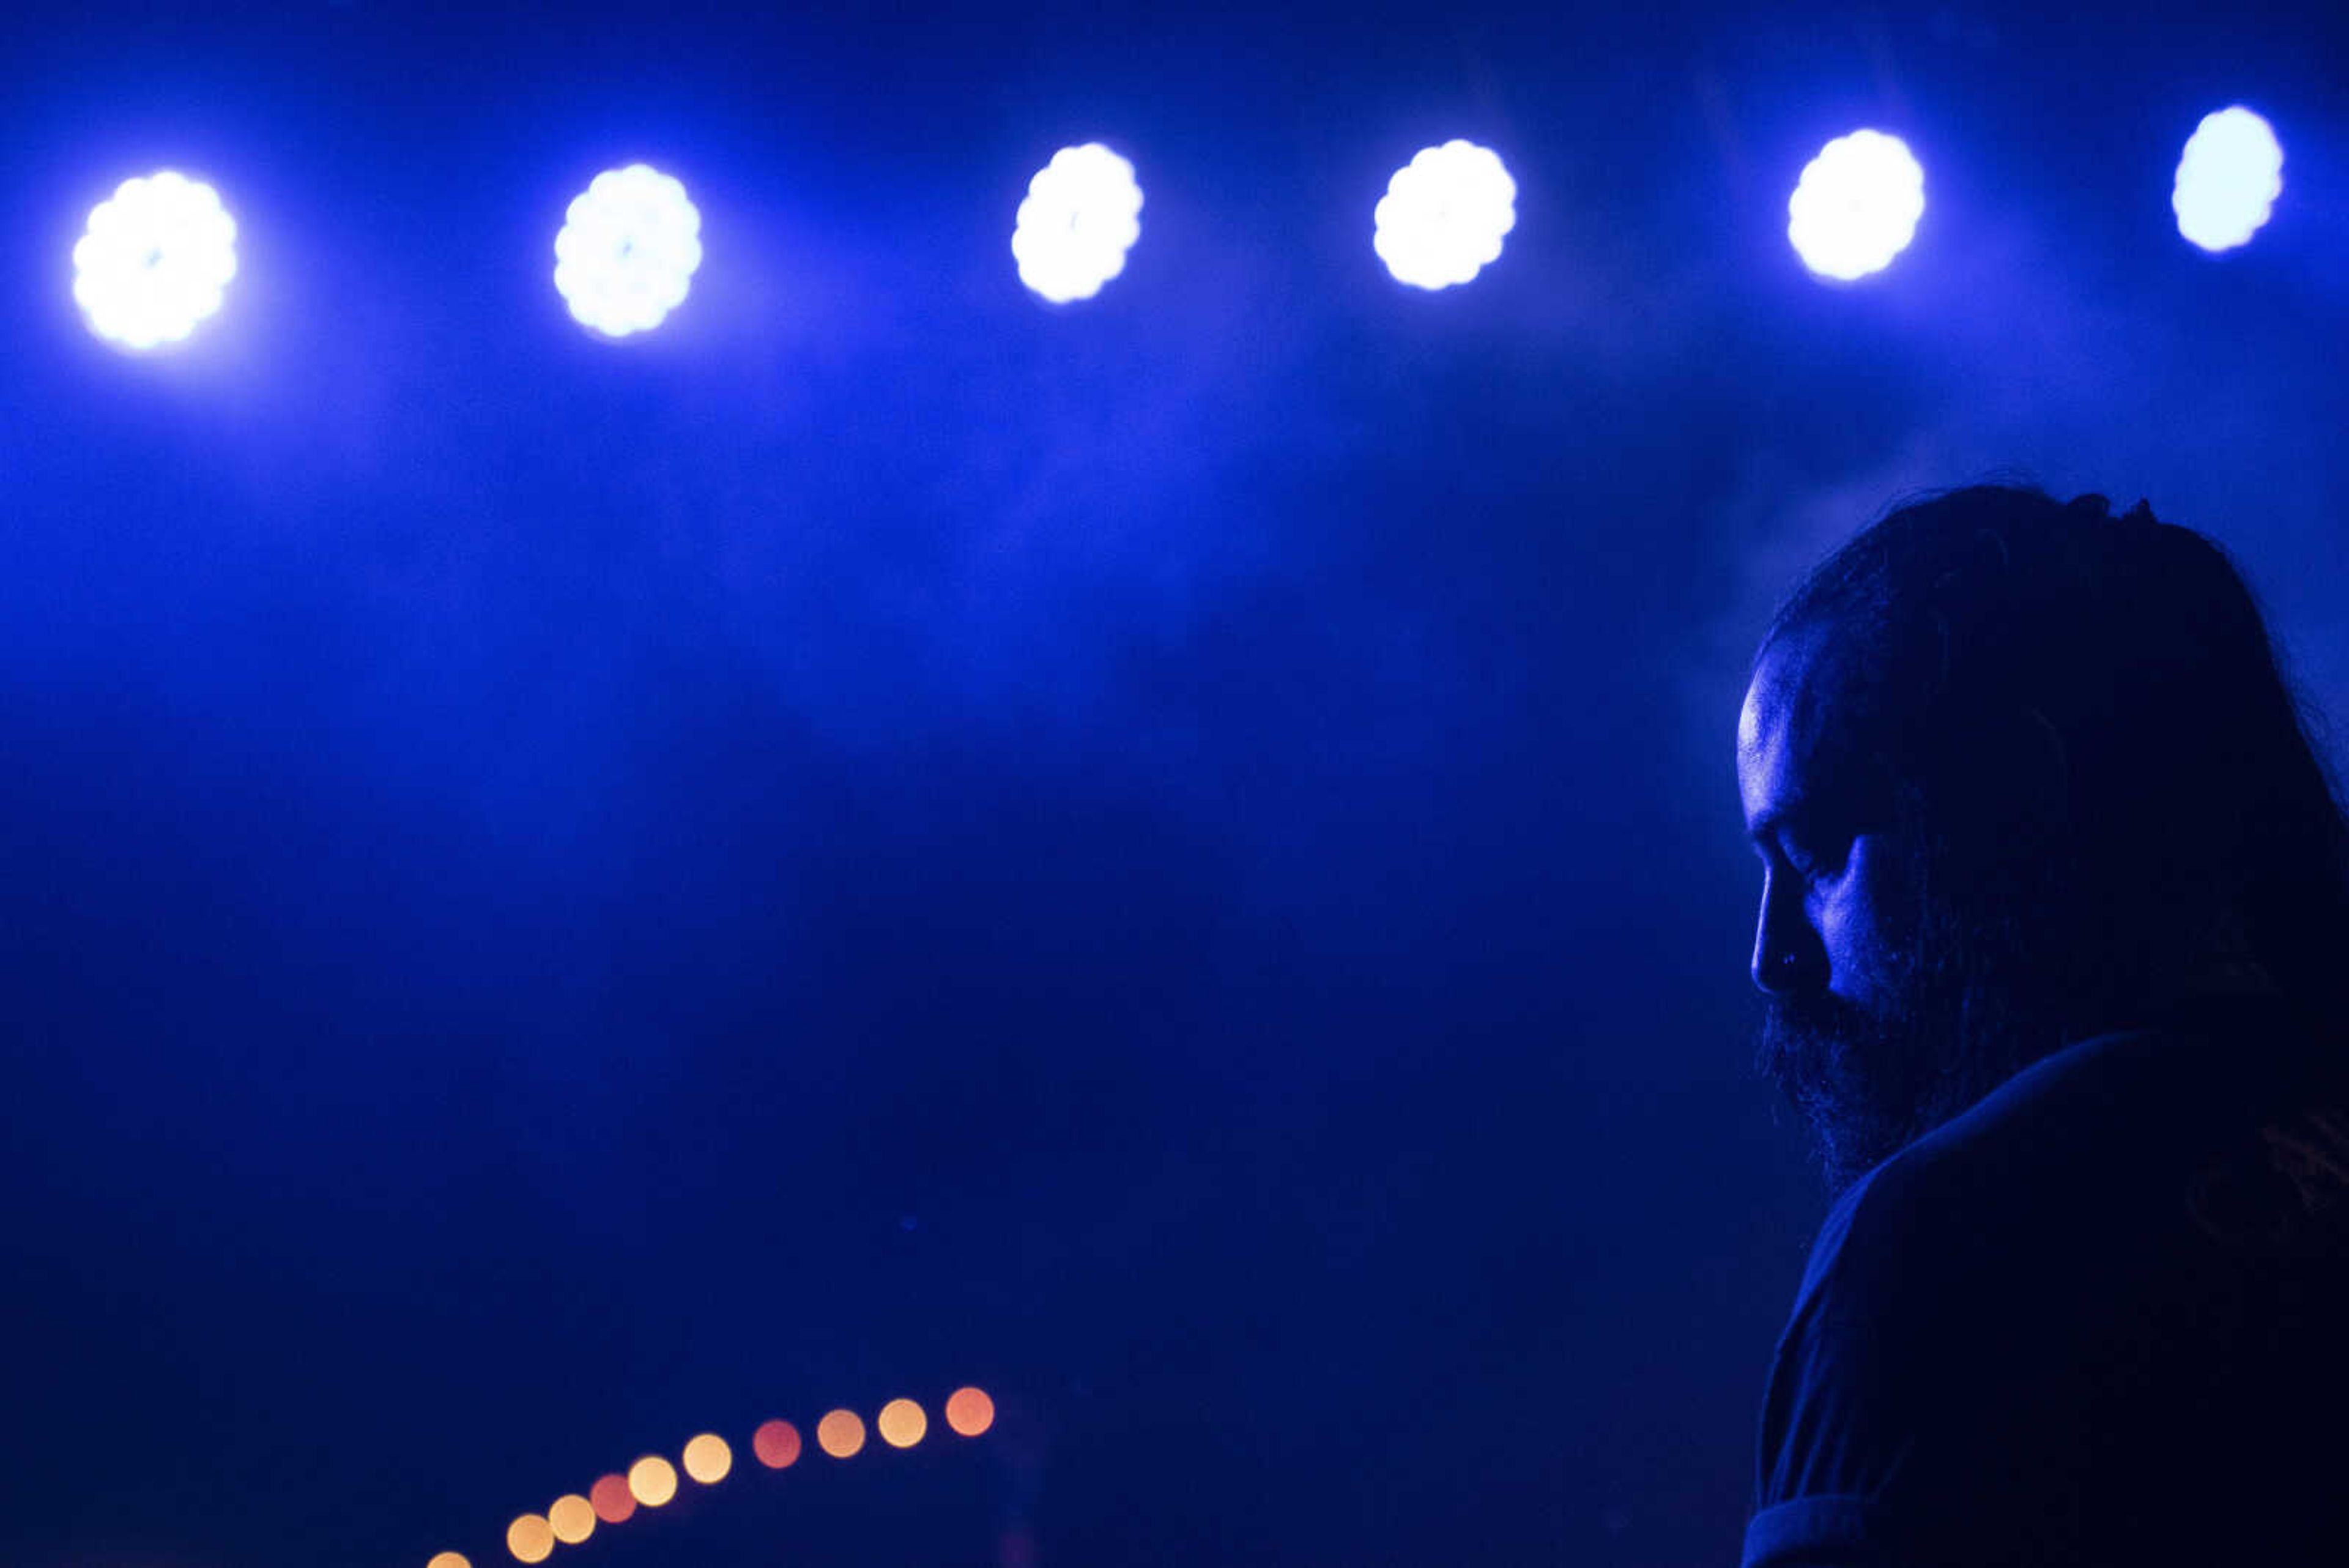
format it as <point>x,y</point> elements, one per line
<point>1808,1028</point>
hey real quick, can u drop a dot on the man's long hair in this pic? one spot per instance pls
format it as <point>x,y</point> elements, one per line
<point>2086,715</point>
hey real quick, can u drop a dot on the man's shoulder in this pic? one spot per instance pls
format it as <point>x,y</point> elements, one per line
<point>2001,1167</point>
<point>2074,1164</point>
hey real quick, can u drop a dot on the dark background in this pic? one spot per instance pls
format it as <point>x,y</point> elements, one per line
<point>1174,857</point>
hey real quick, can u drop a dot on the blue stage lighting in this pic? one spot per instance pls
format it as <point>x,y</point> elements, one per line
<point>1082,214</point>
<point>2229,180</point>
<point>1444,215</point>
<point>155,261</point>
<point>626,255</point>
<point>1857,205</point>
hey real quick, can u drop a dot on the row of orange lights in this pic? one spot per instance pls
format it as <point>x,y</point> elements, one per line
<point>651,1481</point>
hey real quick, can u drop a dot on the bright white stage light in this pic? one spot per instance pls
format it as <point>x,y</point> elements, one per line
<point>1444,214</point>
<point>1857,205</point>
<point>1082,214</point>
<point>156,260</point>
<point>2229,180</point>
<point>627,251</point>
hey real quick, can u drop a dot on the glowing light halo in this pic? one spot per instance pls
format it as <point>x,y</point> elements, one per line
<point>652,1480</point>
<point>1446,215</point>
<point>707,1459</point>
<point>970,1412</point>
<point>1857,205</point>
<point>531,1538</point>
<point>155,260</point>
<point>841,1434</point>
<point>1081,217</point>
<point>628,251</point>
<point>571,1518</point>
<point>2229,178</point>
<point>613,1502</point>
<point>901,1423</point>
<point>777,1444</point>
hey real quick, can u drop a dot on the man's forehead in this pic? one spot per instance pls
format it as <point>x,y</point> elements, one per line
<point>1790,730</point>
<point>1782,701</point>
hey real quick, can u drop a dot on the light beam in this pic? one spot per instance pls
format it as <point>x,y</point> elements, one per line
<point>1857,205</point>
<point>1081,215</point>
<point>2228,180</point>
<point>629,246</point>
<point>155,261</point>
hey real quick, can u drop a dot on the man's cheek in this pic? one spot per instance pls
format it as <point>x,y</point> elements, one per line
<point>1863,945</point>
<point>1847,934</point>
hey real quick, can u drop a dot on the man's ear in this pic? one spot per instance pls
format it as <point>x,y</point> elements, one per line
<point>2011,780</point>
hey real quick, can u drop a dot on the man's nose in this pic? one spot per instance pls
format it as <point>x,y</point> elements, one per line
<point>1788,955</point>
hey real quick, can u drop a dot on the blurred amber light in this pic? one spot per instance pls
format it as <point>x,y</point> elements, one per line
<point>777,1444</point>
<point>652,1480</point>
<point>529,1537</point>
<point>902,1423</point>
<point>613,1502</point>
<point>707,1459</point>
<point>573,1519</point>
<point>840,1434</point>
<point>969,1411</point>
<point>448,1560</point>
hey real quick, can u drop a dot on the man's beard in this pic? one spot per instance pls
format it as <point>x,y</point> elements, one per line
<point>1963,1014</point>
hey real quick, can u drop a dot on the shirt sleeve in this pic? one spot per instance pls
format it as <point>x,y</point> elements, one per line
<point>1828,1442</point>
<point>1888,1429</point>
<point>1815,1532</point>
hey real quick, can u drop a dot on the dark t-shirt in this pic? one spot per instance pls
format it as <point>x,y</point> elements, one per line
<point>2102,1318</point>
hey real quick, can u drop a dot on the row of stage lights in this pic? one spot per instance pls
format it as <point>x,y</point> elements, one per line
<point>652,1480</point>
<point>160,253</point>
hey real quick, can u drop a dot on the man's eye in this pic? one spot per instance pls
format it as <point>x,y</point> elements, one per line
<point>1811,867</point>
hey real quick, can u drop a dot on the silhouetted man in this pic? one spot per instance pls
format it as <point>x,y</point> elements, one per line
<point>2054,939</point>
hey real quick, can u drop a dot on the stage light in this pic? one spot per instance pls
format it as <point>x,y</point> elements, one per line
<point>448,1560</point>
<point>652,1480</point>
<point>613,1502</point>
<point>1444,215</point>
<point>970,1412</point>
<point>901,1423</point>
<point>2228,180</point>
<point>841,1435</point>
<point>626,255</point>
<point>1083,213</point>
<point>1857,205</point>
<point>777,1444</point>
<point>155,260</point>
<point>571,1518</point>
<point>707,1459</point>
<point>530,1539</point>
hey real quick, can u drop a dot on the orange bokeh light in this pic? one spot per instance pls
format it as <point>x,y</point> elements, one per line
<point>529,1537</point>
<point>902,1423</point>
<point>448,1560</point>
<point>613,1502</point>
<point>840,1434</point>
<point>777,1444</point>
<point>707,1459</point>
<point>969,1411</point>
<point>652,1480</point>
<point>573,1519</point>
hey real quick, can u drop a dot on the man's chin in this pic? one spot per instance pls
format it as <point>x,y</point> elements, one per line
<point>1859,1106</point>
<point>1846,1149</point>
